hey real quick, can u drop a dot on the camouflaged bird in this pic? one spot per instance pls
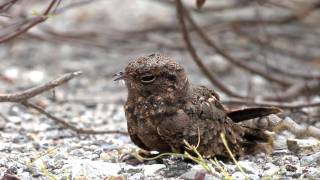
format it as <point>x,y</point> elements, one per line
<point>163,109</point>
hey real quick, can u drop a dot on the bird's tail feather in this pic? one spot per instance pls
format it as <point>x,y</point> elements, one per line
<point>250,113</point>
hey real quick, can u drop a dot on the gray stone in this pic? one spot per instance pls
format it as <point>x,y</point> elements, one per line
<point>253,177</point>
<point>238,176</point>
<point>94,169</point>
<point>248,167</point>
<point>192,172</point>
<point>197,171</point>
<point>2,124</point>
<point>313,159</point>
<point>290,159</point>
<point>271,170</point>
<point>150,170</point>
<point>303,146</point>
<point>312,173</point>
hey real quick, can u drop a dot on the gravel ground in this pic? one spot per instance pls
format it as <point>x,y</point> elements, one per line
<point>35,147</point>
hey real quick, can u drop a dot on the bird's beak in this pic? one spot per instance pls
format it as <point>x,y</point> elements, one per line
<point>119,76</point>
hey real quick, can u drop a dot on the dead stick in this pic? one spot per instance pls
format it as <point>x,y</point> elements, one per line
<point>229,58</point>
<point>196,58</point>
<point>31,23</point>
<point>29,93</point>
<point>4,117</point>
<point>296,90</point>
<point>5,6</point>
<point>67,125</point>
<point>236,101</point>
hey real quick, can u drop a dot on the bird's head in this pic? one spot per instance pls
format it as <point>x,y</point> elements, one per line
<point>155,74</point>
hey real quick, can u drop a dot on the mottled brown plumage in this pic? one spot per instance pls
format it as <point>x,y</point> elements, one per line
<point>163,109</point>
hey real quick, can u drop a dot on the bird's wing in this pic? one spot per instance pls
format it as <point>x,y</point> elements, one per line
<point>200,120</point>
<point>204,104</point>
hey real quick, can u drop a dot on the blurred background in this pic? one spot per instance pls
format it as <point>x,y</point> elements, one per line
<point>278,39</point>
<point>256,52</point>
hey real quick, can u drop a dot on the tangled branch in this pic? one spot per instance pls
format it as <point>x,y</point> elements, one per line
<point>29,23</point>
<point>24,96</point>
<point>32,92</point>
<point>294,87</point>
<point>196,57</point>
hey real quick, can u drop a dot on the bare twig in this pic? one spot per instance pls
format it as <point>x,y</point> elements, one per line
<point>229,58</point>
<point>236,101</point>
<point>29,24</point>
<point>24,96</point>
<point>292,74</point>
<point>5,6</point>
<point>196,58</point>
<point>29,93</point>
<point>4,117</point>
<point>296,129</point>
<point>75,4</point>
<point>276,124</point>
<point>296,90</point>
<point>269,46</point>
<point>67,125</point>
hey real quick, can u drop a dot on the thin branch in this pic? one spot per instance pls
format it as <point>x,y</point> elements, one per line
<point>29,24</point>
<point>276,124</point>
<point>51,5</point>
<point>292,74</point>
<point>67,125</point>
<point>196,58</point>
<point>5,6</point>
<point>4,117</point>
<point>295,128</point>
<point>235,101</point>
<point>24,96</point>
<point>229,58</point>
<point>268,45</point>
<point>75,4</point>
<point>29,93</point>
<point>296,90</point>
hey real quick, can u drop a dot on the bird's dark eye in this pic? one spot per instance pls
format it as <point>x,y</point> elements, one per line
<point>148,78</point>
<point>172,78</point>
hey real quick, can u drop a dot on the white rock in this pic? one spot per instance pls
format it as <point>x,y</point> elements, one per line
<point>238,176</point>
<point>149,170</point>
<point>248,167</point>
<point>312,173</point>
<point>253,177</point>
<point>35,76</point>
<point>312,159</point>
<point>280,142</point>
<point>192,172</point>
<point>11,73</point>
<point>14,119</point>
<point>303,146</point>
<point>30,126</point>
<point>290,159</point>
<point>258,80</point>
<point>94,169</point>
<point>271,170</point>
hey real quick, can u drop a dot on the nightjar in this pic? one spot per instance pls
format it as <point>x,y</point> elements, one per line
<point>163,109</point>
